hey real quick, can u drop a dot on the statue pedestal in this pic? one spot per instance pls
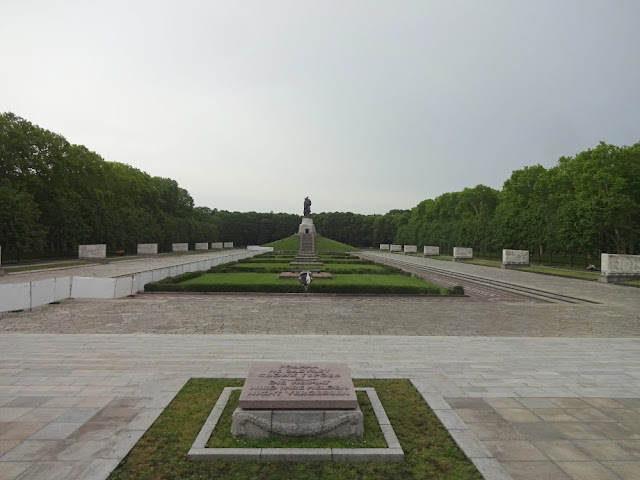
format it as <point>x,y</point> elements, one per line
<point>307,233</point>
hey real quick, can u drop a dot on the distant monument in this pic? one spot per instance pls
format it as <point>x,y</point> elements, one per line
<point>307,208</point>
<point>307,230</point>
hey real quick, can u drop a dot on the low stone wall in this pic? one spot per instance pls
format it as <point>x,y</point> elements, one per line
<point>619,268</point>
<point>216,245</point>
<point>227,245</point>
<point>410,249</point>
<point>29,295</point>
<point>515,258</point>
<point>462,253</point>
<point>395,248</point>
<point>179,247</point>
<point>202,246</point>
<point>384,246</point>
<point>259,250</point>
<point>92,252</point>
<point>431,251</point>
<point>147,249</point>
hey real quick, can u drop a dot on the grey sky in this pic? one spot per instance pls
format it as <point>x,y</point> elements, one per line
<point>364,106</point>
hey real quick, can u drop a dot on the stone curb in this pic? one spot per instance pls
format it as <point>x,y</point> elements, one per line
<point>393,453</point>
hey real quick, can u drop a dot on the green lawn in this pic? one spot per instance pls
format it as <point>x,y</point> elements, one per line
<point>323,244</point>
<point>244,278</point>
<point>430,452</point>
<point>28,268</point>
<point>327,267</point>
<point>561,272</point>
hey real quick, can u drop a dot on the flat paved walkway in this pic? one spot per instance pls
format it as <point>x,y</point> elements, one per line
<point>529,390</point>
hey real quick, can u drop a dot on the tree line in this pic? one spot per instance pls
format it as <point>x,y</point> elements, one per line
<point>55,196</point>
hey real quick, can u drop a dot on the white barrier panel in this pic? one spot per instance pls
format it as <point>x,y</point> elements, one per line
<point>62,289</point>
<point>227,244</point>
<point>15,296</point>
<point>201,266</point>
<point>384,246</point>
<point>173,271</point>
<point>143,279</point>
<point>202,246</point>
<point>124,287</point>
<point>395,248</point>
<point>217,245</point>
<point>93,287</point>
<point>410,249</point>
<point>42,292</point>
<point>159,274</point>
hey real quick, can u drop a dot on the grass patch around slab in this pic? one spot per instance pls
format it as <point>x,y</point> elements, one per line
<point>430,452</point>
<point>222,438</point>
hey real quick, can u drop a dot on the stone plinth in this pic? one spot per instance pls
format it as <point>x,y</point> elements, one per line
<point>298,423</point>
<point>619,268</point>
<point>307,226</point>
<point>227,245</point>
<point>147,249</point>
<point>515,258</point>
<point>384,246</point>
<point>92,252</point>
<point>462,253</point>
<point>431,251</point>
<point>410,249</point>
<point>202,246</point>
<point>179,247</point>
<point>298,400</point>
<point>217,245</point>
<point>395,248</point>
<point>275,385</point>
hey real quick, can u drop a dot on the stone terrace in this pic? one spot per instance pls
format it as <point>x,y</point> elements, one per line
<point>529,390</point>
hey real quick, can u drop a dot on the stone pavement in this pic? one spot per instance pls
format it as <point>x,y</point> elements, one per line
<point>529,390</point>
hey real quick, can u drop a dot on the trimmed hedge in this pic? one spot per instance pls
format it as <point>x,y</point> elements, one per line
<point>223,287</point>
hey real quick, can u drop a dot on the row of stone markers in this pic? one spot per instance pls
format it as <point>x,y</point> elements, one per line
<point>614,268</point>
<point>99,252</point>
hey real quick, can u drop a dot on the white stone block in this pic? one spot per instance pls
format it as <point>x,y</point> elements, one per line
<point>62,289</point>
<point>43,292</point>
<point>124,287</point>
<point>619,268</point>
<point>460,253</point>
<point>93,287</point>
<point>179,247</point>
<point>202,246</point>
<point>147,249</point>
<point>395,248</point>
<point>216,245</point>
<point>384,246</point>
<point>410,249</point>
<point>92,252</point>
<point>15,296</point>
<point>227,245</point>
<point>431,251</point>
<point>514,258</point>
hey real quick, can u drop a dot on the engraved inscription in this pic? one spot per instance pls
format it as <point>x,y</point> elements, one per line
<point>298,380</point>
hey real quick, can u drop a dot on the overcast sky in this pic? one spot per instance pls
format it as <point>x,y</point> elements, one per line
<point>364,106</point>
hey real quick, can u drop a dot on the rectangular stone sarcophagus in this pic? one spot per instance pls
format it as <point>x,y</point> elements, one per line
<point>430,251</point>
<point>462,253</point>
<point>515,258</point>
<point>298,400</point>
<point>619,268</point>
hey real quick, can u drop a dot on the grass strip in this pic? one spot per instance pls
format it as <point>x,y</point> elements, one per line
<point>42,267</point>
<point>561,273</point>
<point>430,452</point>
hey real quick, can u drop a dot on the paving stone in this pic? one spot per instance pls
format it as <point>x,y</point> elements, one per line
<point>625,470</point>
<point>495,431</point>
<point>563,450</point>
<point>10,414</point>
<point>514,450</point>
<point>77,415</point>
<point>517,415</point>
<point>603,450</point>
<point>28,402</point>
<point>534,470</point>
<point>20,430</point>
<point>34,450</point>
<point>42,414</point>
<point>12,470</point>
<point>587,471</point>
<point>6,445</point>
<point>56,431</point>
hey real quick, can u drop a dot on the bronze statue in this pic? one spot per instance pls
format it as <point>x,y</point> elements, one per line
<point>307,207</point>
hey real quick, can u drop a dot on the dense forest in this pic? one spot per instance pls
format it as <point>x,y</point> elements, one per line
<point>55,196</point>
